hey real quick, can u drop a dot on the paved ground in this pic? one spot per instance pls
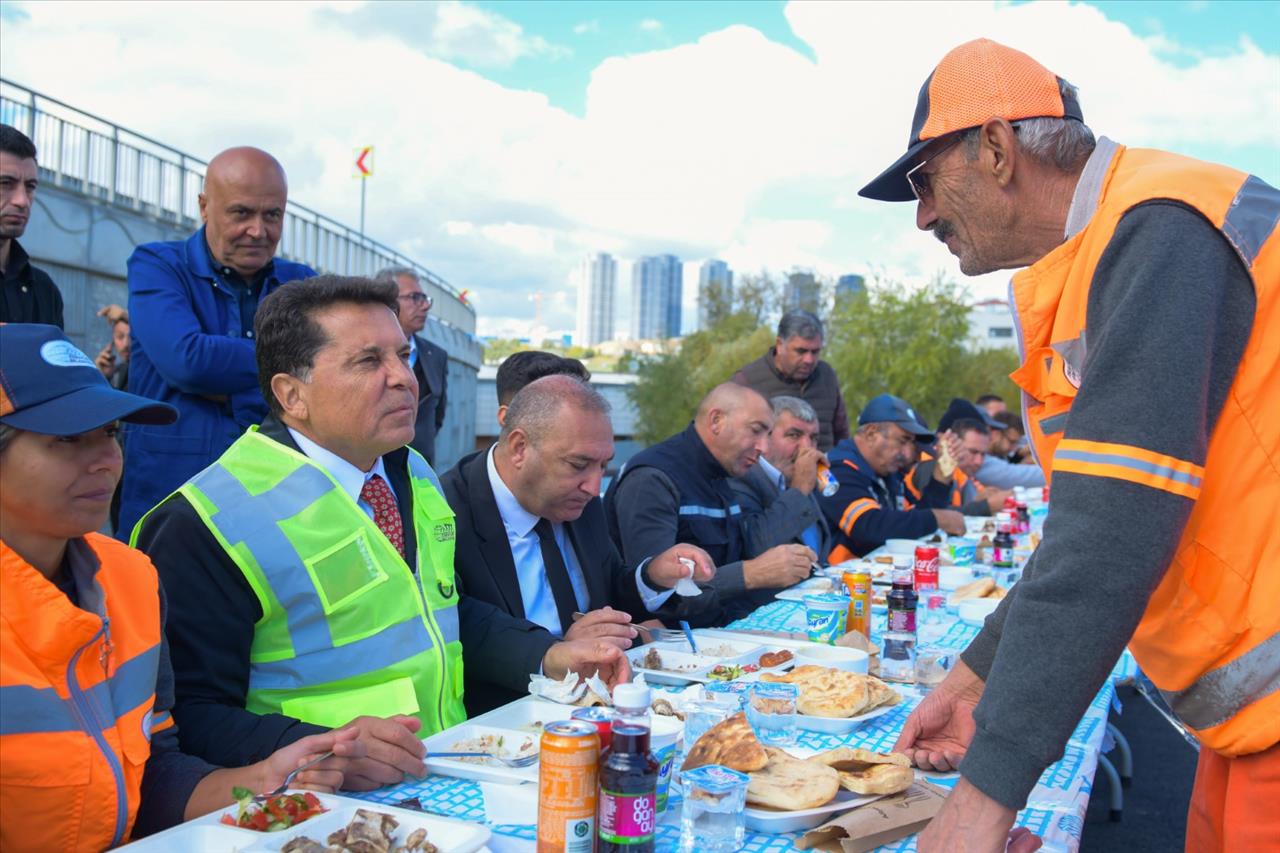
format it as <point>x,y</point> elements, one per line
<point>1155,804</point>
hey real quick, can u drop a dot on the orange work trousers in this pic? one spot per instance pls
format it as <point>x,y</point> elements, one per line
<point>1235,805</point>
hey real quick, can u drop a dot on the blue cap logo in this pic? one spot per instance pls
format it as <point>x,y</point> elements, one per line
<point>64,354</point>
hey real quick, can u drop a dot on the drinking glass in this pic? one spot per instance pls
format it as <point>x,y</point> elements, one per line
<point>771,711</point>
<point>711,817</point>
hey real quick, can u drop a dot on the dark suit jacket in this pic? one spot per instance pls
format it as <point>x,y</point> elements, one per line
<point>771,516</point>
<point>210,626</point>
<point>432,371</point>
<point>486,571</point>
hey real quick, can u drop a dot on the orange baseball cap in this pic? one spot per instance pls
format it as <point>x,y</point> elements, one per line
<point>975,82</point>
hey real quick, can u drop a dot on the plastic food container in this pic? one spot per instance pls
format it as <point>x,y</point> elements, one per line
<point>834,657</point>
<point>825,616</point>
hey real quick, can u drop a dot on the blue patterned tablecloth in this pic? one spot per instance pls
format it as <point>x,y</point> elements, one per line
<point>1055,810</point>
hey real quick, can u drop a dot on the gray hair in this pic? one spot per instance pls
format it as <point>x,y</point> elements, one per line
<point>1059,142</point>
<point>392,274</point>
<point>794,406</point>
<point>799,324</point>
<point>535,407</point>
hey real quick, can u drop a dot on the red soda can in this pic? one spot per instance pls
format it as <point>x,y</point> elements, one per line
<point>926,568</point>
<point>601,718</point>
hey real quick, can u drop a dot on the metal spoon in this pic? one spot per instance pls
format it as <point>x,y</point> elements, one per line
<point>522,761</point>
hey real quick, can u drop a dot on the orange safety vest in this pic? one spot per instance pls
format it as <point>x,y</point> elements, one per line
<point>1210,636</point>
<point>958,481</point>
<point>76,698</point>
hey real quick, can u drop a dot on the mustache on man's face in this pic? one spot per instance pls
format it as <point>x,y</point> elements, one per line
<point>942,229</point>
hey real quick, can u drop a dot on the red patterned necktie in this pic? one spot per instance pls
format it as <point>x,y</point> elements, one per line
<point>386,513</point>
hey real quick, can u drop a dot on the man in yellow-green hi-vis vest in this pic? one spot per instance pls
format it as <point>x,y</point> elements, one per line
<point>309,570</point>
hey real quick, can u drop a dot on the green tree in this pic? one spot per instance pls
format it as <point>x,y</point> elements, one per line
<point>912,343</point>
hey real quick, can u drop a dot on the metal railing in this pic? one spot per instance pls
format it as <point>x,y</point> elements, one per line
<point>93,156</point>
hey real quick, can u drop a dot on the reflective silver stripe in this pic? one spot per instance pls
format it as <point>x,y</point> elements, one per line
<point>1054,424</point>
<point>1084,203</point>
<point>251,519</point>
<point>28,710</point>
<point>1073,352</point>
<point>156,721</point>
<point>1252,217</point>
<point>372,654</point>
<point>1127,462</point>
<point>1221,693</point>
<point>710,511</point>
<point>447,619</point>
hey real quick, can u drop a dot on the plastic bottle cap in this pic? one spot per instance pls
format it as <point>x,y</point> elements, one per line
<point>631,696</point>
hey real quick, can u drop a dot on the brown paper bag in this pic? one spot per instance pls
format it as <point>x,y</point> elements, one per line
<point>881,822</point>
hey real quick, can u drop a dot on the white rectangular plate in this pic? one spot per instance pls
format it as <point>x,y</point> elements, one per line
<point>208,833</point>
<point>773,821</point>
<point>810,586</point>
<point>488,771</point>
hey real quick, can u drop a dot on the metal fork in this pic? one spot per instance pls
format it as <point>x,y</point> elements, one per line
<point>288,780</point>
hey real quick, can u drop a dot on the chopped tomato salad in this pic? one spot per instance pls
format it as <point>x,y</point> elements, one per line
<point>274,814</point>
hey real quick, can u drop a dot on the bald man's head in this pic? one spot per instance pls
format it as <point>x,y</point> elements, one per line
<point>242,206</point>
<point>733,421</point>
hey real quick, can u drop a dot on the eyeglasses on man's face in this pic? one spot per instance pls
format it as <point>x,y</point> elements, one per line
<point>920,180</point>
<point>418,298</point>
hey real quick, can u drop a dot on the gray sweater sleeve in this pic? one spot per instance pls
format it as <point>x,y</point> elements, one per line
<point>1170,310</point>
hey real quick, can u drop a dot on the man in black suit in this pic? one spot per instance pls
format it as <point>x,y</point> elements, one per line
<point>532,538</point>
<point>777,494</point>
<point>430,363</point>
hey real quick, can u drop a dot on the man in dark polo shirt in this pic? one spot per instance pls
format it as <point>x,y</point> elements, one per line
<point>792,368</point>
<point>27,294</point>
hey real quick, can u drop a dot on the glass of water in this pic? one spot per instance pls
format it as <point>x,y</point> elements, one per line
<point>702,714</point>
<point>772,712</point>
<point>731,693</point>
<point>711,817</point>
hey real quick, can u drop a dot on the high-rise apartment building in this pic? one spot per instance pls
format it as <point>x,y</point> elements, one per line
<point>597,281</point>
<point>657,288</point>
<point>804,292</point>
<point>848,285</point>
<point>715,287</point>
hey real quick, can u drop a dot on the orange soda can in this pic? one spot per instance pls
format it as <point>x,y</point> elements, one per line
<point>858,582</point>
<point>567,787</point>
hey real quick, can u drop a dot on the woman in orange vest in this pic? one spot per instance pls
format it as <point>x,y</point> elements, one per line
<point>89,755</point>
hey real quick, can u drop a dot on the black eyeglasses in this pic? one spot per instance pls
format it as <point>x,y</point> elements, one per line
<point>919,181</point>
<point>418,298</point>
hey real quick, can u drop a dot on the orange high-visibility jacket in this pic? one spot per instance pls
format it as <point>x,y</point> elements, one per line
<point>1210,636</point>
<point>77,688</point>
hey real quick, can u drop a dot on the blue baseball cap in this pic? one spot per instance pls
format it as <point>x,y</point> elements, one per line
<point>49,386</point>
<point>894,410</point>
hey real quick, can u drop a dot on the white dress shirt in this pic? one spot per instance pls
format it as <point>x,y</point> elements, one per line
<point>350,478</point>
<point>531,571</point>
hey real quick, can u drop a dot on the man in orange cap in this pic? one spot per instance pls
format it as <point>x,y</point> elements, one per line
<point>1149,396</point>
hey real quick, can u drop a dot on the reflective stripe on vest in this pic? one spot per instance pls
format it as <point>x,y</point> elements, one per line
<point>1210,636</point>
<point>40,709</point>
<point>710,511</point>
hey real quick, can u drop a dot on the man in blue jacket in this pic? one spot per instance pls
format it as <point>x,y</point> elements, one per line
<point>867,510</point>
<point>191,305</point>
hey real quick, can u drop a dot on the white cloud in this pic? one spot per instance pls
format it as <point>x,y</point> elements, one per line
<point>732,146</point>
<point>651,25</point>
<point>586,28</point>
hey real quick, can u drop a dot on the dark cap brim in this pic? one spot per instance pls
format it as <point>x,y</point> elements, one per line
<point>89,408</point>
<point>891,185</point>
<point>920,431</point>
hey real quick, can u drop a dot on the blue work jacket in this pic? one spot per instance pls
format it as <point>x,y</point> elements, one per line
<point>188,350</point>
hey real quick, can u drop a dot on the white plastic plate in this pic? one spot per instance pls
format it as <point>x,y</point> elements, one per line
<point>840,725</point>
<point>774,821</point>
<point>450,740</point>
<point>208,833</point>
<point>809,586</point>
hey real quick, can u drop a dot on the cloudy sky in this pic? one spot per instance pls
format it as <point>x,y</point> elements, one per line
<point>513,138</point>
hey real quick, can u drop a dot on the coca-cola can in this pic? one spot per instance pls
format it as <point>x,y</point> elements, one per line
<point>926,568</point>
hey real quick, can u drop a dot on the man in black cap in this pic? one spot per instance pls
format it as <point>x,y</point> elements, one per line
<point>868,508</point>
<point>967,431</point>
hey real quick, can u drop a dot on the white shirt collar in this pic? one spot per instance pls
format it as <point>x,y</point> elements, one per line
<point>516,518</point>
<point>350,478</point>
<point>773,473</point>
